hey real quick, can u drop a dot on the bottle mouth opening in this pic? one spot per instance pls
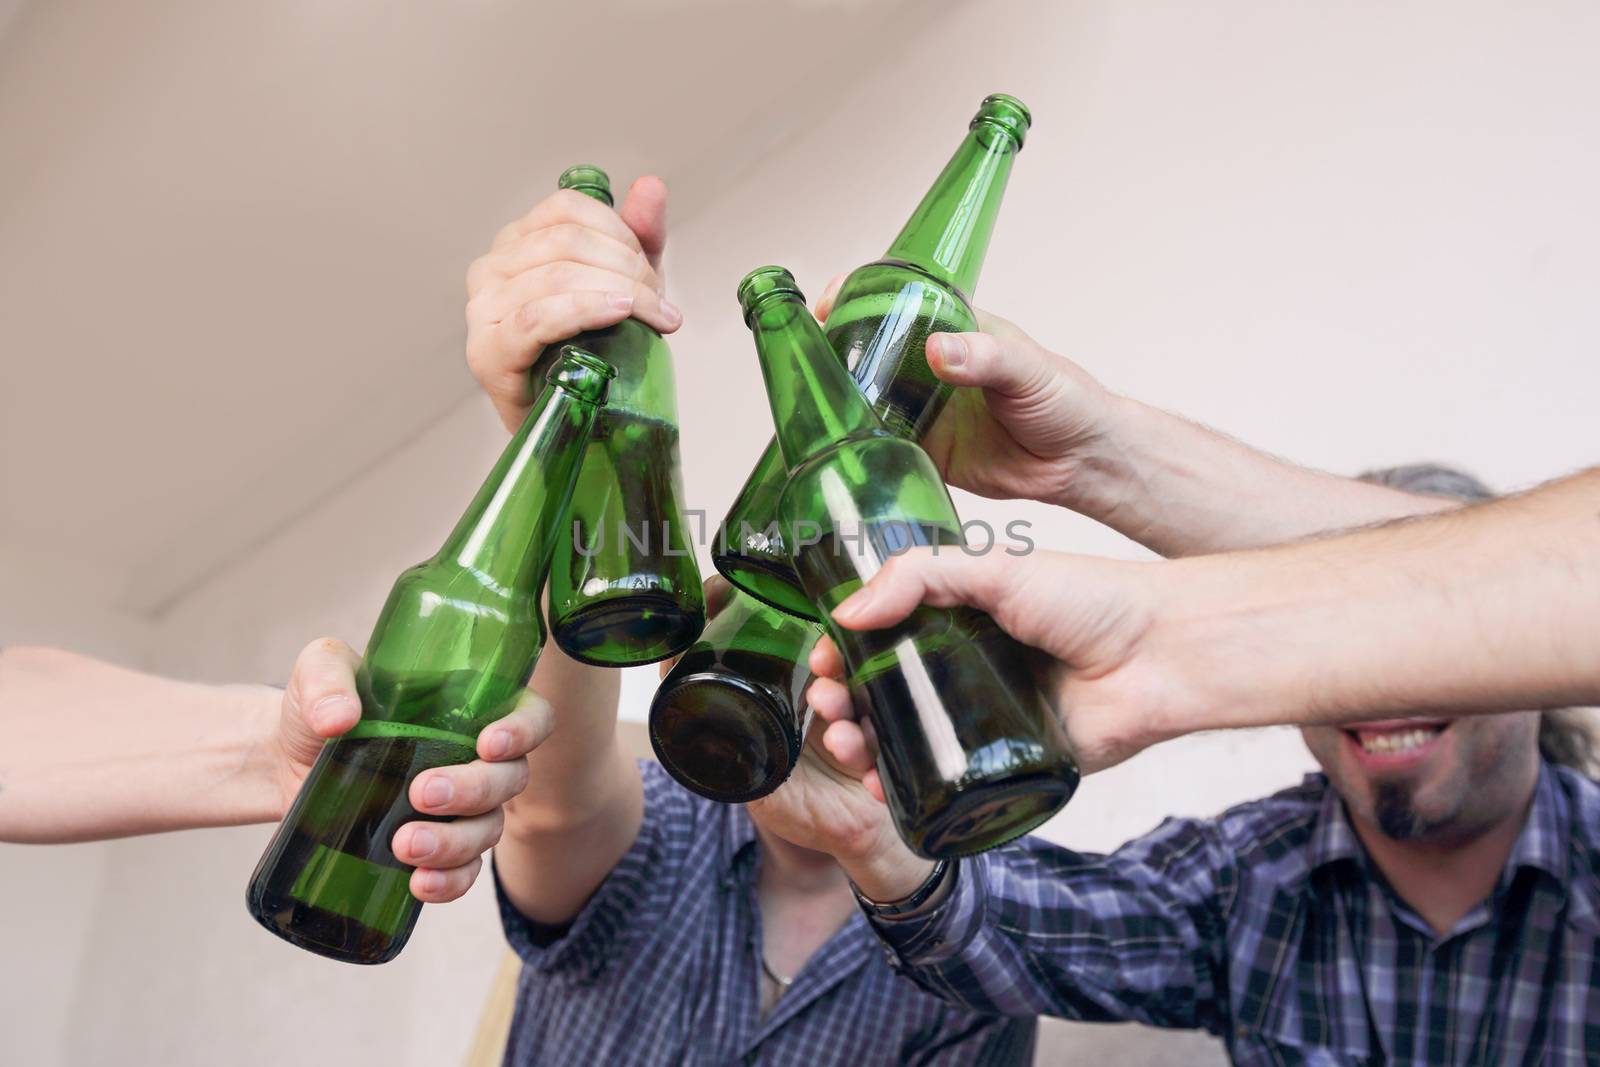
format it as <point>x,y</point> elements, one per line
<point>582,372</point>
<point>763,283</point>
<point>1007,113</point>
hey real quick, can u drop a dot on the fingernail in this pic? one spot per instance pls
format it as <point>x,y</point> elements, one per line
<point>437,792</point>
<point>853,604</point>
<point>952,349</point>
<point>332,709</point>
<point>499,743</point>
<point>670,310</point>
<point>423,842</point>
<point>620,301</point>
<point>431,881</point>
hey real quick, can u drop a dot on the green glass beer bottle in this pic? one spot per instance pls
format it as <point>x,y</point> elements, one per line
<point>451,653</point>
<point>879,326</point>
<point>970,751</point>
<point>625,588</point>
<point>730,717</point>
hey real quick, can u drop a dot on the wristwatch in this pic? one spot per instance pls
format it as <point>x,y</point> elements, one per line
<point>921,899</point>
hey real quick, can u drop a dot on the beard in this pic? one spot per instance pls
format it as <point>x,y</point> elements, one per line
<point>1396,814</point>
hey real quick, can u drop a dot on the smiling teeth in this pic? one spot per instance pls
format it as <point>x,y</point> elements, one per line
<point>1391,744</point>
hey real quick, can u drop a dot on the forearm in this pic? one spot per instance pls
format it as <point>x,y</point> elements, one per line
<point>1492,608</point>
<point>1182,489</point>
<point>95,751</point>
<point>584,801</point>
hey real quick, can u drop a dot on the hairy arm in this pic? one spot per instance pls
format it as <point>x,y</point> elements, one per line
<point>1183,489</point>
<point>1026,422</point>
<point>1491,607</point>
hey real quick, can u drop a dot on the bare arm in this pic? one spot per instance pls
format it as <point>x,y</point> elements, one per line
<point>584,801</point>
<point>94,751</point>
<point>1027,423</point>
<point>1182,489</point>
<point>1493,607</point>
<point>569,265</point>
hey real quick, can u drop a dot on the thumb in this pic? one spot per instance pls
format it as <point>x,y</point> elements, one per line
<point>324,687</point>
<point>1010,366</point>
<point>942,577</point>
<point>644,210</point>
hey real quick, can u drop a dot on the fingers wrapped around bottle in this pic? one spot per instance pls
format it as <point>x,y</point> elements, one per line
<point>447,855</point>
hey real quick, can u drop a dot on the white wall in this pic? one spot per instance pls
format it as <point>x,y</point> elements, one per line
<point>1352,235</point>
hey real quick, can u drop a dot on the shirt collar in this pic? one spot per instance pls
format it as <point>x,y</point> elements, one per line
<point>1333,839</point>
<point>1542,844</point>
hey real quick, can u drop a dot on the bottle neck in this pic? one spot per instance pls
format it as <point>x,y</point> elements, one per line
<point>515,520</point>
<point>815,402</point>
<point>948,235</point>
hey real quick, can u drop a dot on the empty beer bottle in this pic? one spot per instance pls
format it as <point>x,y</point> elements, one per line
<point>879,325</point>
<point>624,587</point>
<point>730,718</point>
<point>970,752</point>
<point>451,653</point>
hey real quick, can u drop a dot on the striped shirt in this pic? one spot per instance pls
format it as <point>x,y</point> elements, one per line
<point>1270,927</point>
<point>662,967</point>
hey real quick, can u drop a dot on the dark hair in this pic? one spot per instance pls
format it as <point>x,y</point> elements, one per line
<point>1565,738</point>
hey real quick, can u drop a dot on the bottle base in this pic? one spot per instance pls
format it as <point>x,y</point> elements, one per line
<point>771,583</point>
<point>723,737</point>
<point>627,631</point>
<point>325,933</point>
<point>975,823</point>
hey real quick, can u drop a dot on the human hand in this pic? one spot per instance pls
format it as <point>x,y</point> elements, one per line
<point>320,702</point>
<point>1094,618</point>
<point>1023,421</point>
<point>569,265</point>
<point>824,806</point>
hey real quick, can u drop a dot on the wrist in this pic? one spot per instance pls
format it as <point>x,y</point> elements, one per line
<point>888,872</point>
<point>1108,468</point>
<point>928,896</point>
<point>261,790</point>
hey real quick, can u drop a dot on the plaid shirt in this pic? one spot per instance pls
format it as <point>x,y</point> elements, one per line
<point>662,967</point>
<point>1270,928</point>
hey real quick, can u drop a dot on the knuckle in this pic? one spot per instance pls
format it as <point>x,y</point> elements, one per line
<point>568,240</point>
<point>527,318</point>
<point>480,306</point>
<point>479,789</point>
<point>560,274</point>
<point>478,275</point>
<point>507,233</point>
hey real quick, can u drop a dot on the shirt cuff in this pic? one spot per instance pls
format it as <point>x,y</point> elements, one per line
<point>944,929</point>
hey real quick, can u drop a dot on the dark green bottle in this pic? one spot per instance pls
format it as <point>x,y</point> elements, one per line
<point>729,719</point>
<point>625,588</point>
<point>879,326</point>
<point>970,751</point>
<point>451,653</point>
